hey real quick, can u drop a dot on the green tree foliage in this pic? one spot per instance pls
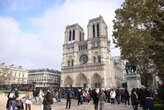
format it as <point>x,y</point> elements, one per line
<point>134,33</point>
<point>157,33</point>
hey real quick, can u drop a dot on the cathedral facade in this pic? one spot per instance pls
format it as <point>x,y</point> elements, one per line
<point>88,63</point>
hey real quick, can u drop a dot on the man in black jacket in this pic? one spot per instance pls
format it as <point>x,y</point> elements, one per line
<point>95,97</point>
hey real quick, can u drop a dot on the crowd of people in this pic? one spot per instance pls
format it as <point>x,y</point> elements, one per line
<point>138,97</point>
<point>45,99</point>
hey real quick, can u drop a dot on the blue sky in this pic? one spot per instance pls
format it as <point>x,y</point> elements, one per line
<point>32,31</point>
<point>22,10</point>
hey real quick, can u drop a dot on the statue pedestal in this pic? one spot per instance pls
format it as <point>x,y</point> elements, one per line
<point>133,81</point>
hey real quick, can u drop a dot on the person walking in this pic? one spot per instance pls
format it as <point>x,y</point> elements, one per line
<point>79,97</point>
<point>57,96</point>
<point>149,103</point>
<point>113,96</point>
<point>142,92</point>
<point>102,98</point>
<point>134,99</point>
<point>95,98</point>
<point>41,98</point>
<point>126,97</point>
<point>35,94</point>
<point>68,98</point>
<point>13,94</point>
<point>118,96</point>
<point>28,100</point>
<point>48,101</point>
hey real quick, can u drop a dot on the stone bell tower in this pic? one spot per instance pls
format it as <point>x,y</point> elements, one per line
<point>74,33</point>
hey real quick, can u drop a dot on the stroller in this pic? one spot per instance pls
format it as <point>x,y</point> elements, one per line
<point>19,105</point>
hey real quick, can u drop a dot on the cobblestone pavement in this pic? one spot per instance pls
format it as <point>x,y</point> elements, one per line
<point>61,105</point>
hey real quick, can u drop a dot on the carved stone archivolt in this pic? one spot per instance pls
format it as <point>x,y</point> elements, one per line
<point>68,81</point>
<point>81,79</point>
<point>96,80</point>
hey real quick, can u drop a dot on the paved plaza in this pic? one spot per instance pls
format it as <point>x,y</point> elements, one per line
<point>61,105</point>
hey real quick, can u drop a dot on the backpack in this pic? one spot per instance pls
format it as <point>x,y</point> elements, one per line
<point>12,95</point>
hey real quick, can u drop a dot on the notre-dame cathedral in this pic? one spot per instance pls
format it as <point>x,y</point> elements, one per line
<point>88,63</point>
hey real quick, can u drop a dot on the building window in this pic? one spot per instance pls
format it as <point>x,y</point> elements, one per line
<point>98,30</point>
<point>99,59</point>
<point>79,48</point>
<point>68,63</point>
<point>93,30</point>
<point>72,62</point>
<point>94,59</point>
<point>69,35</point>
<point>80,36</point>
<point>73,34</point>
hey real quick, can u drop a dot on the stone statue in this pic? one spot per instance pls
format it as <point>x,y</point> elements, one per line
<point>131,69</point>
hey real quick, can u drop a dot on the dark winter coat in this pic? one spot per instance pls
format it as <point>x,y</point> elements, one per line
<point>134,99</point>
<point>48,99</point>
<point>95,97</point>
<point>149,104</point>
<point>69,94</point>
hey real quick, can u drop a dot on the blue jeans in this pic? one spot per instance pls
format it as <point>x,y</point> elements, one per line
<point>12,103</point>
<point>112,100</point>
<point>58,100</point>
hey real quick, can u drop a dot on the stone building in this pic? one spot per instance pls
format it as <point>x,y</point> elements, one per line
<point>88,63</point>
<point>120,72</point>
<point>12,75</point>
<point>44,77</point>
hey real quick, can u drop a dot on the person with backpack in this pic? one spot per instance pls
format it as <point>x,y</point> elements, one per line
<point>48,101</point>
<point>68,98</point>
<point>13,94</point>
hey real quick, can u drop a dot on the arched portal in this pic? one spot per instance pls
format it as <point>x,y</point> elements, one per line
<point>81,80</point>
<point>96,81</point>
<point>68,82</point>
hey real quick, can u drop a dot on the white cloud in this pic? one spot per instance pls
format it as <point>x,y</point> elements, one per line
<point>44,49</point>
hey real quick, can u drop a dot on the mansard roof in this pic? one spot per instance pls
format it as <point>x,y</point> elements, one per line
<point>44,70</point>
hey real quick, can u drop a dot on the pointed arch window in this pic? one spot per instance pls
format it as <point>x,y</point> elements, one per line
<point>99,59</point>
<point>69,35</point>
<point>72,62</point>
<point>73,35</point>
<point>93,27</point>
<point>94,60</point>
<point>98,30</point>
<point>69,63</point>
<point>80,36</point>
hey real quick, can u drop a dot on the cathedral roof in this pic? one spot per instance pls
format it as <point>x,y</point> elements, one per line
<point>73,25</point>
<point>100,18</point>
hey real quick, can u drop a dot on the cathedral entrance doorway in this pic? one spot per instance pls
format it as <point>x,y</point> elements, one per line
<point>68,82</point>
<point>81,81</point>
<point>96,81</point>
